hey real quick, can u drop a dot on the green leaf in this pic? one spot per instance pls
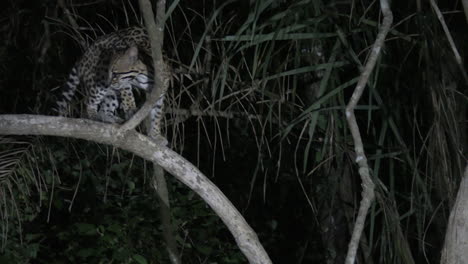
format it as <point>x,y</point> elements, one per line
<point>131,186</point>
<point>115,228</point>
<point>30,237</point>
<point>86,252</point>
<point>86,229</point>
<point>140,259</point>
<point>205,250</point>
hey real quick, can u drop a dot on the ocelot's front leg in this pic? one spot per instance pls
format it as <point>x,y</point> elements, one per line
<point>95,97</point>
<point>157,113</point>
<point>128,101</point>
<point>155,121</point>
<point>108,108</point>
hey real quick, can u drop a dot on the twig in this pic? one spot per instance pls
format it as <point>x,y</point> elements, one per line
<point>367,183</point>
<point>69,16</point>
<point>179,112</point>
<point>465,9</point>
<point>46,42</point>
<point>458,58</point>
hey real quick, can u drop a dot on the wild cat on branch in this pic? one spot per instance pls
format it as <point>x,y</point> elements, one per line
<point>108,71</point>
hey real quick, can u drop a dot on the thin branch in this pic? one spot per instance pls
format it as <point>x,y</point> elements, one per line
<point>367,183</point>
<point>465,9</point>
<point>161,72</point>
<point>156,35</point>
<point>71,20</point>
<point>458,58</point>
<point>148,149</point>
<point>69,15</point>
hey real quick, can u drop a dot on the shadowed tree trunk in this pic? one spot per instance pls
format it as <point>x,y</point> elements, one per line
<point>456,238</point>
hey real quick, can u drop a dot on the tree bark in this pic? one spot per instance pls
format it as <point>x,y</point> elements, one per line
<point>148,149</point>
<point>160,186</point>
<point>368,185</point>
<point>455,249</point>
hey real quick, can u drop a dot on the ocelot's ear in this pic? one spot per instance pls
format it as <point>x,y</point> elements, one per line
<point>132,54</point>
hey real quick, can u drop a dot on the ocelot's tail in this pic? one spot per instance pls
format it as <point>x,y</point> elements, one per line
<point>68,91</point>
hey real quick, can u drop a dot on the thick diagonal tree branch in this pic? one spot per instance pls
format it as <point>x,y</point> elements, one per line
<point>361,159</point>
<point>148,149</point>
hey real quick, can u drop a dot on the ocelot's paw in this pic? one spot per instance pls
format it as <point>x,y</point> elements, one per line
<point>129,113</point>
<point>112,119</point>
<point>94,116</point>
<point>160,140</point>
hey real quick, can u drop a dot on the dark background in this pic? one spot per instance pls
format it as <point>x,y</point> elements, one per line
<point>285,156</point>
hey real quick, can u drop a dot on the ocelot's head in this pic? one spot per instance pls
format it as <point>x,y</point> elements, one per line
<point>127,69</point>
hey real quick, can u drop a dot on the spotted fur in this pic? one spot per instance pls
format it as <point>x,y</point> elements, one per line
<point>91,70</point>
<point>107,72</point>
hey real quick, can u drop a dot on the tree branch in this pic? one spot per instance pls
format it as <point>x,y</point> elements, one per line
<point>161,72</point>
<point>465,9</point>
<point>155,32</point>
<point>160,185</point>
<point>367,183</point>
<point>458,58</point>
<point>148,149</point>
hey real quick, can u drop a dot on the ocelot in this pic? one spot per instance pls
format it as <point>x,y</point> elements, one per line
<point>125,71</point>
<point>108,70</point>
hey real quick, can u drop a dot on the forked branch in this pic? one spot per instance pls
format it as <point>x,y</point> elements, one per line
<point>155,32</point>
<point>148,149</point>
